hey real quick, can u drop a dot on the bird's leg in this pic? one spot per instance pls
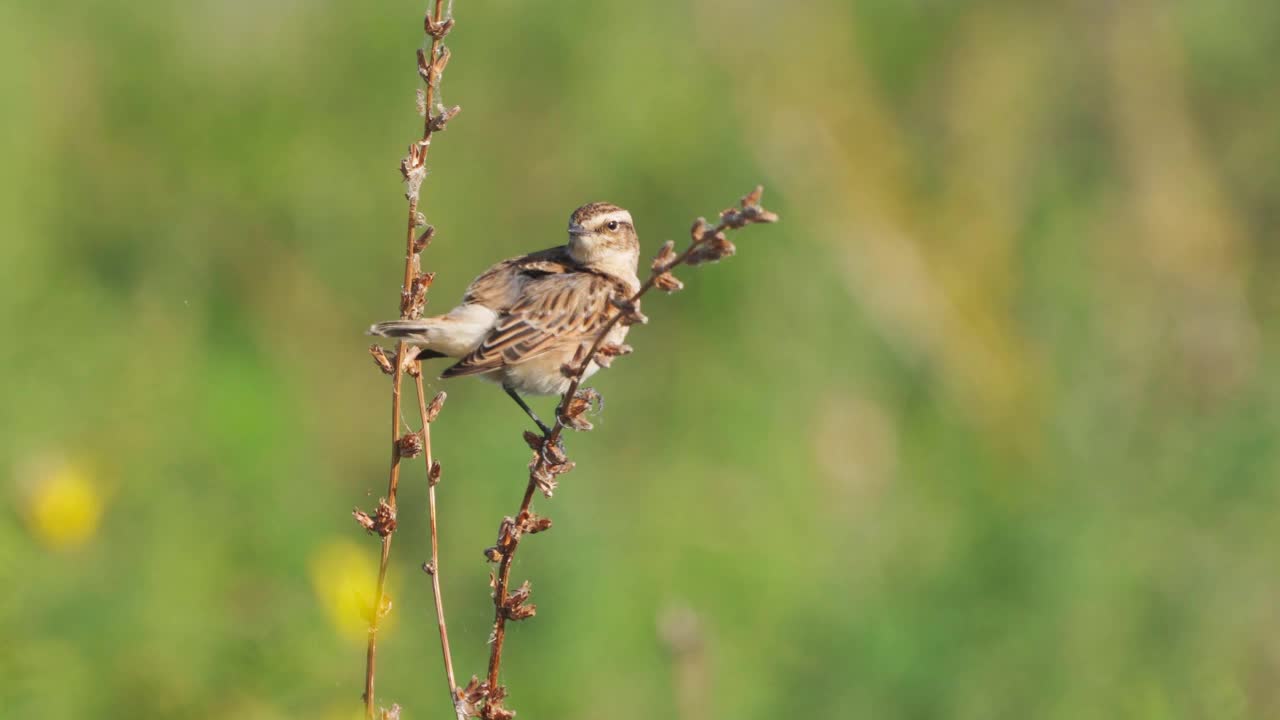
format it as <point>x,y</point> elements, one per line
<point>528,410</point>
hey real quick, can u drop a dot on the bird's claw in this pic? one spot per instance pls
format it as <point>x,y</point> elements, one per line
<point>552,458</point>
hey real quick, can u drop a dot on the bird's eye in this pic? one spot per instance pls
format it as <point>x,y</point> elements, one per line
<point>613,225</point>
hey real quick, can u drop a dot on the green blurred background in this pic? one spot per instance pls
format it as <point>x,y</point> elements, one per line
<point>985,428</point>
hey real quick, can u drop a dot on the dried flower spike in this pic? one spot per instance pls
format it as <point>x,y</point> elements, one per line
<point>441,121</point>
<point>424,239</point>
<point>380,357</point>
<point>409,445</point>
<point>662,260</point>
<point>437,404</point>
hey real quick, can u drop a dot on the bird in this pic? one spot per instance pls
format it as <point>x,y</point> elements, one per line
<point>524,318</point>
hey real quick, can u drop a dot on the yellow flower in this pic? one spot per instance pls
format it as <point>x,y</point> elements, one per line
<point>63,507</point>
<point>344,576</point>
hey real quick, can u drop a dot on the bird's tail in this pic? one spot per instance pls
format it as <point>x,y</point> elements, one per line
<point>407,329</point>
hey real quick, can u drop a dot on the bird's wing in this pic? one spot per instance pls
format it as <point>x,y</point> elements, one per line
<point>500,286</point>
<point>555,311</point>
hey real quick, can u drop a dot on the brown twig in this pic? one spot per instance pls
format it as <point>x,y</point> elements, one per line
<point>413,292</point>
<point>707,244</point>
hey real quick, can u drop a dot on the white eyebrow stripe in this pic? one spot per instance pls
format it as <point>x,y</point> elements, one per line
<point>619,215</point>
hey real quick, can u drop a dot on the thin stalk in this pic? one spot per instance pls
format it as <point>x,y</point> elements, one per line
<point>412,297</point>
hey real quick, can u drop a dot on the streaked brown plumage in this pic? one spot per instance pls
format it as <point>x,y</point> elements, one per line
<point>525,317</point>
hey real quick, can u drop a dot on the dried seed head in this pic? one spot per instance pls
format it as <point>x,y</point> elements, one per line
<point>534,524</point>
<point>562,468</point>
<point>520,594</point>
<point>716,248</point>
<point>424,239</point>
<point>435,29</point>
<point>441,121</point>
<point>667,282</point>
<point>433,477</point>
<point>424,67</point>
<point>521,612</point>
<point>508,533</point>
<point>363,518</point>
<point>413,301</point>
<point>533,440</point>
<point>496,712</point>
<point>413,161</point>
<point>663,259</point>
<point>380,357</point>
<point>437,403</point>
<point>439,64</point>
<point>630,310</point>
<point>752,212</point>
<point>493,554</point>
<point>409,445</point>
<point>383,520</point>
<point>474,691</point>
<point>545,481</point>
<point>429,568</point>
<point>698,230</point>
<point>606,353</point>
<point>515,607</point>
<point>614,350</point>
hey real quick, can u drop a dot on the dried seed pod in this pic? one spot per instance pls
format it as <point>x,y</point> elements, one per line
<point>363,518</point>
<point>433,477</point>
<point>435,29</point>
<point>520,595</point>
<point>664,257</point>
<point>668,283</point>
<point>562,468</point>
<point>630,310</point>
<point>699,228</point>
<point>380,357</point>
<point>533,524</point>
<point>409,445</point>
<point>439,64</point>
<point>437,403</point>
<point>424,67</point>
<point>424,239</point>
<point>441,121</point>
<point>533,440</point>
<point>606,353</point>
<point>492,712</point>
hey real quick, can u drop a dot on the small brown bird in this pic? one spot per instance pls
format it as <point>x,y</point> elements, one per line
<point>524,318</point>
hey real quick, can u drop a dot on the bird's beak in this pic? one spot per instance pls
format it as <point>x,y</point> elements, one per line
<point>576,229</point>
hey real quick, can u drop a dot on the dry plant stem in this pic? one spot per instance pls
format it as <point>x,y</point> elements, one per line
<point>435,549</point>
<point>410,271</point>
<point>541,463</point>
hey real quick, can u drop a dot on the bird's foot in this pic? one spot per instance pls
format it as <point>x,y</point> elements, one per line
<point>553,453</point>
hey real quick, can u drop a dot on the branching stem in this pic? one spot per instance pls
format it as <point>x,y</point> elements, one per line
<point>706,244</point>
<point>413,291</point>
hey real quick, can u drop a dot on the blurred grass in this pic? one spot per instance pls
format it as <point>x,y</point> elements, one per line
<point>985,428</point>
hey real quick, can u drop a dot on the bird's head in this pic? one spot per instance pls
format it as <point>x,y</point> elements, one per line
<point>602,236</point>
